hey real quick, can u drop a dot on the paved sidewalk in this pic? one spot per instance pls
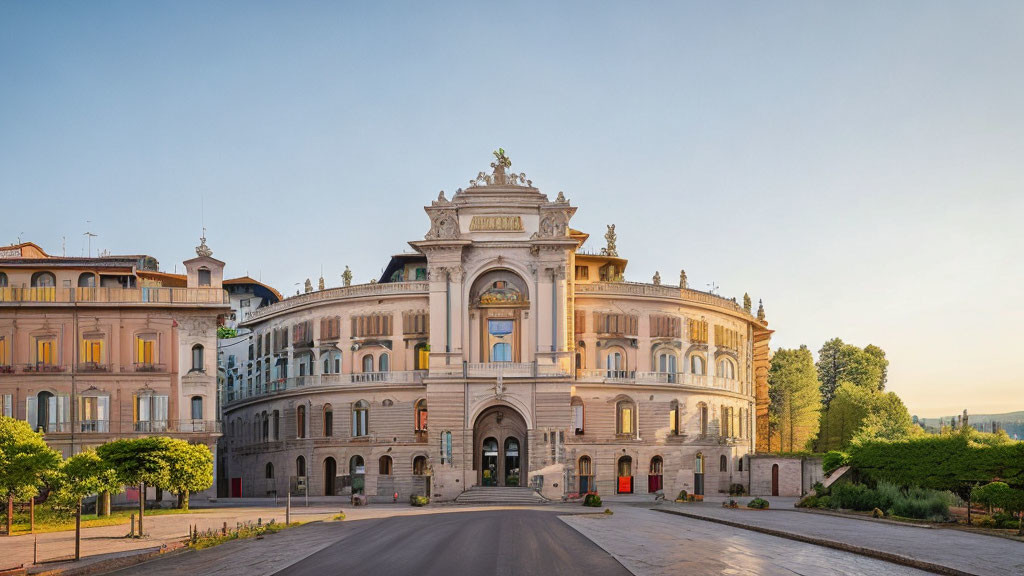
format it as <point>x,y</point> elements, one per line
<point>650,543</point>
<point>962,551</point>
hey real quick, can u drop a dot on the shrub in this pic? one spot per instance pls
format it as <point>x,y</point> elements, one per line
<point>737,490</point>
<point>730,504</point>
<point>592,500</point>
<point>682,496</point>
<point>758,503</point>
<point>418,500</point>
<point>922,504</point>
<point>825,501</point>
<point>834,460</point>
<point>877,513</point>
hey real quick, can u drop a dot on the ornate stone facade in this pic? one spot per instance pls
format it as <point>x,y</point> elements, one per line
<point>537,365</point>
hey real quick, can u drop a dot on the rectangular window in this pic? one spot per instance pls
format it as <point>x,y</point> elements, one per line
<point>421,274</point>
<point>45,351</point>
<point>698,331</point>
<point>94,413</point>
<point>577,419</point>
<point>3,352</point>
<point>244,303</point>
<point>626,416</point>
<point>92,350</point>
<point>582,272</point>
<point>145,349</point>
<point>150,413</point>
<point>6,406</point>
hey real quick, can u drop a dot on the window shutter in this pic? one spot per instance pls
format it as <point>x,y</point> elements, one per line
<point>30,411</point>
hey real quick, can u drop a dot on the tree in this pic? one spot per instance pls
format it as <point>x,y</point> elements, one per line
<point>844,417</point>
<point>190,469</point>
<point>83,474</point>
<point>887,419</point>
<point>141,461</point>
<point>25,459</point>
<point>1001,495</point>
<point>795,397</point>
<point>883,364</point>
<point>840,362</point>
<point>225,332</point>
<point>830,369</point>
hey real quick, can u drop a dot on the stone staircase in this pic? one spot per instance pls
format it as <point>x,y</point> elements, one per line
<point>504,496</point>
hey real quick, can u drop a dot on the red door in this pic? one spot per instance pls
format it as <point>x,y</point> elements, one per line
<point>236,487</point>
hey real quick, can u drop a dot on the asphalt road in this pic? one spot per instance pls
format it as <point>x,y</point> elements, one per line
<point>495,543</point>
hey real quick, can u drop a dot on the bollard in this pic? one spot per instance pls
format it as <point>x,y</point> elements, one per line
<point>288,510</point>
<point>78,531</point>
<point>35,551</point>
<point>132,533</point>
<point>224,530</point>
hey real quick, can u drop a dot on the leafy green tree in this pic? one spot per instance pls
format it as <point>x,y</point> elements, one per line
<point>83,474</point>
<point>1001,495</point>
<point>25,462</point>
<point>887,419</point>
<point>225,332</point>
<point>881,363</point>
<point>190,469</point>
<point>839,362</point>
<point>844,417</point>
<point>830,369</point>
<point>795,398</point>
<point>138,461</point>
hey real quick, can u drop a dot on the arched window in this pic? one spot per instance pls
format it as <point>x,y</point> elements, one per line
<point>421,415</point>
<point>667,365</point>
<point>44,280</point>
<point>86,280</point>
<point>579,416</point>
<point>421,356</point>
<point>702,410</point>
<point>674,417</point>
<point>385,465</point>
<point>328,420</point>
<point>384,363</point>
<point>501,352</point>
<point>625,418</point>
<point>204,277</point>
<point>270,471</point>
<point>368,363</point>
<point>300,466</point>
<point>197,358</point>
<point>723,464</point>
<point>698,464</point>
<point>197,407</point>
<point>356,465</point>
<point>726,368</point>
<point>585,471</point>
<point>300,421</point>
<point>419,466</point>
<point>360,418</point>
<point>697,364</point>
<point>3,280</point>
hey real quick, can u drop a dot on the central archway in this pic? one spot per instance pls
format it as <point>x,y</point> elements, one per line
<point>500,447</point>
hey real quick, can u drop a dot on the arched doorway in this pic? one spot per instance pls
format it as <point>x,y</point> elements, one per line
<point>500,454</point>
<point>330,476</point>
<point>357,472</point>
<point>654,477</point>
<point>625,483</point>
<point>775,479</point>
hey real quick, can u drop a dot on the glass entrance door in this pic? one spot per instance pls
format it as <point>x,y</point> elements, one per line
<point>489,462</point>
<point>511,462</point>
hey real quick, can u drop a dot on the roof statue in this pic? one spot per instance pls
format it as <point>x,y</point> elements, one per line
<point>320,286</point>
<point>610,238</point>
<point>760,310</point>
<point>309,286</point>
<point>657,278</point>
<point>498,177</point>
<point>203,249</point>
<point>561,197</point>
<point>346,277</point>
<point>682,278</point>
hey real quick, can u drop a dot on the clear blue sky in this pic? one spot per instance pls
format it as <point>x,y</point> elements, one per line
<point>857,165</point>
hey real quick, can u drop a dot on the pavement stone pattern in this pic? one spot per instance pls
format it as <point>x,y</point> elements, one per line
<point>650,543</point>
<point>964,551</point>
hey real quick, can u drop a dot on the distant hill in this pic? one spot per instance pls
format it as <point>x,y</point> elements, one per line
<point>1012,422</point>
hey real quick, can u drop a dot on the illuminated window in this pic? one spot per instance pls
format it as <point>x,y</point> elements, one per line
<point>145,349</point>
<point>421,415</point>
<point>46,353</point>
<point>92,350</point>
<point>626,418</point>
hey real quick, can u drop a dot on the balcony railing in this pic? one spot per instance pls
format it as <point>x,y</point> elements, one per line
<point>339,293</point>
<point>93,367</point>
<point>114,295</point>
<point>659,291</point>
<point>130,427</point>
<point>6,369</point>
<point>663,378</point>
<point>143,367</point>
<point>39,368</point>
<point>400,378</point>
<point>93,426</point>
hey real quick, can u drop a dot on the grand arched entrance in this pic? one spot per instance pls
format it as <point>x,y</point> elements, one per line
<point>500,450</point>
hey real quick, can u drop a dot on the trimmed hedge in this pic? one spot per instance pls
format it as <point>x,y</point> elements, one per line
<point>954,462</point>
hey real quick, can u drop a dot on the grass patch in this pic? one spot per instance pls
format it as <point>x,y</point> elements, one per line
<point>49,519</point>
<point>211,538</point>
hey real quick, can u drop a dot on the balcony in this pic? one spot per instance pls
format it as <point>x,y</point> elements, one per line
<point>402,378</point>
<point>660,378</point>
<point>93,367</point>
<point>7,369</point>
<point>660,291</point>
<point>356,291</point>
<point>38,368</point>
<point>144,367</point>
<point>99,426</point>
<point>141,296</point>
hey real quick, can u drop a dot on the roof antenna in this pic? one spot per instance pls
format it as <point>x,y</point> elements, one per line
<point>64,246</point>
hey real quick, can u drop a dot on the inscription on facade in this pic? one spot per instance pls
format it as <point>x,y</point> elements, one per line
<point>496,224</point>
<point>16,253</point>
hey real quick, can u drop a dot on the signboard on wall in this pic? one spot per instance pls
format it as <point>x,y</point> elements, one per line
<point>11,253</point>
